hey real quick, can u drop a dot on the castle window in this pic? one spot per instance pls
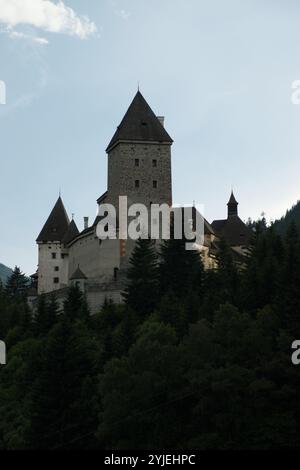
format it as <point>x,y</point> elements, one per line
<point>137,162</point>
<point>116,271</point>
<point>56,280</point>
<point>137,183</point>
<point>56,268</point>
<point>155,184</point>
<point>154,163</point>
<point>53,255</point>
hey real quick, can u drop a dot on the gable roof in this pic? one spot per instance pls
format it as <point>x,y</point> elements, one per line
<point>56,225</point>
<point>78,274</point>
<point>233,230</point>
<point>217,225</point>
<point>71,233</point>
<point>140,124</point>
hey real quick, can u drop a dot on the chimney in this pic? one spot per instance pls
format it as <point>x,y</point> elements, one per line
<point>161,120</point>
<point>86,222</point>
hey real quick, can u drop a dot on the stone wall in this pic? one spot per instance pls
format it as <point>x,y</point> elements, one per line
<point>51,268</point>
<point>96,259</point>
<point>154,165</point>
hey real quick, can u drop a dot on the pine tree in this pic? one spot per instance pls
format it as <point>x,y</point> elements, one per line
<point>288,300</point>
<point>227,273</point>
<point>17,283</point>
<point>75,306</point>
<point>141,293</point>
<point>181,270</point>
<point>46,316</point>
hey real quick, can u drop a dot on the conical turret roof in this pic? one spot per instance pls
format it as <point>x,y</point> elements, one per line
<point>232,199</point>
<point>71,233</point>
<point>56,226</point>
<point>78,275</point>
<point>140,124</point>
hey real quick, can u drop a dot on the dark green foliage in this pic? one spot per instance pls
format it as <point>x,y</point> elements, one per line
<point>181,270</point>
<point>193,359</point>
<point>141,293</point>
<point>292,216</point>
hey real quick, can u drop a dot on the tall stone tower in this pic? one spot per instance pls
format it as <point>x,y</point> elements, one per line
<point>139,158</point>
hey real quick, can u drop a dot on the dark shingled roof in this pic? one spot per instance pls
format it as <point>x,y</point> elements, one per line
<point>140,124</point>
<point>232,199</point>
<point>217,225</point>
<point>78,274</point>
<point>233,230</point>
<point>71,233</point>
<point>56,226</point>
<point>102,198</point>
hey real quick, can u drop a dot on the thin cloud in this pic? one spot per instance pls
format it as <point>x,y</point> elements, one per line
<point>47,16</point>
<point>37,39</point>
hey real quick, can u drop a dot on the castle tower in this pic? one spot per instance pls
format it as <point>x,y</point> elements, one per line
<point>139,158</point>
<point>232,206</point>
<point>53,254</point>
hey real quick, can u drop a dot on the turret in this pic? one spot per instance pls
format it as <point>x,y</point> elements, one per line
<point>139,158</point>
<point>232,206</point>
<point>53,252</point>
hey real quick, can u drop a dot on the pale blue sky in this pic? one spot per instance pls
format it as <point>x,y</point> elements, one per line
<point>221,73</point>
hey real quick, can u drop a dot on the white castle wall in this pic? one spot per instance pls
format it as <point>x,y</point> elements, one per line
<point>96,259</point>
<point>47,267</point>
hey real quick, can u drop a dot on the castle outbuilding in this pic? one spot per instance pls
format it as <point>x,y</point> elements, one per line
<point>233,230</point>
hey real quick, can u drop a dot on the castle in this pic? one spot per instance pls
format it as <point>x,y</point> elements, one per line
<point>139,167</point>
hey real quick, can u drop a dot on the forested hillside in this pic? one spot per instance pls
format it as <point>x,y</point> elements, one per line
<point>5,272</point>
<point>291,216</point>
<point>193,359</point>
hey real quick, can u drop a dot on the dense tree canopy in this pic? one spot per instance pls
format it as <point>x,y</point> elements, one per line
<point>192,359</point>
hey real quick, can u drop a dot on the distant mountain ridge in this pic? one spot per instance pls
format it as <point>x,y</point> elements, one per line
<point>5,272</point>
<point>292,215</point>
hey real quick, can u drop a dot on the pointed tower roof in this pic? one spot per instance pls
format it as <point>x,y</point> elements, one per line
<point>140,124</point>
<point>78,275</point>
<point>232,206</point>
<point>71,233</point>
<point>232,199</point>
<point>57,224</point>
